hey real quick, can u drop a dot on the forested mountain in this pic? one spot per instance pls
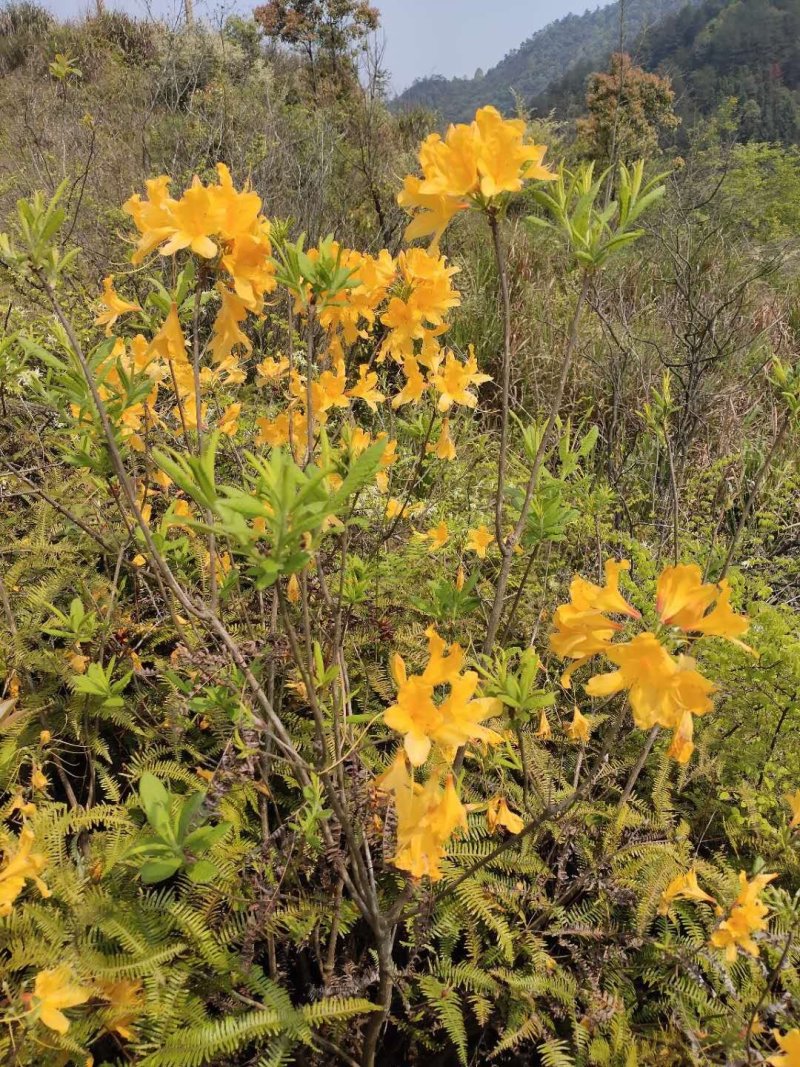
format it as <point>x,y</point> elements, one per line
<point>716,52</point>
<point>543,58</point>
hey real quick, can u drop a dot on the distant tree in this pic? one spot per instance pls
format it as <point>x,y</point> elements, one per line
<point>325,32</point>
<point>628,109</point>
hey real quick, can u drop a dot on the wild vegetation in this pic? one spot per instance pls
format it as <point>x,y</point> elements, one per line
<point>399,585</point>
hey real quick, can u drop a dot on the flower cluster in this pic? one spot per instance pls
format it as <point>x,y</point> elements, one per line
<point>450,723</point>
<point>224,227</point>
<point>664,689</point>
<point>472,165</point>
<point>747,917</point>
<point>427,816</point>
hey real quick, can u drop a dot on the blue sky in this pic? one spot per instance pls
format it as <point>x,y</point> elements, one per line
<point>422,37</point>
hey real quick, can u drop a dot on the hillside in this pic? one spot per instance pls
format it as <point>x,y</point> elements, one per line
<point>747,50</point>
<point>541,59</point>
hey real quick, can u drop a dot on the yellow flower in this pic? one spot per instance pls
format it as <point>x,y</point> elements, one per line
<point>293,589</point>
<point>499,814</point>
<point>38,780</point>
<point>460,576</point>
<point>747,916</point>
<point>270,369</point>
<point>504,160</point>
<point>471,165</point>
<point>444,447</point>
<point>365,390</point>
<point>24,808</point>
<point>544,732</point>
<point>682,887</point>
<point>789,1045</point>
<point>586,596</point>
<point>19,866</point>
<point>451,723</point>
<point>579,728</point>
<point>395,508</point>
<point>227,332</point>
<point>415,385</point>
<point>479,541</point>
<point>682,600</point>
<point>454,379</point>
<point>661,687</point>
<point>114,306</point>
<point>793,800</point>
<point>125,1002</point>
<point>427,817</point>
<point>45,737</point>
<point>438,536</point>
<point>56,989</point>
<point>229,422</point>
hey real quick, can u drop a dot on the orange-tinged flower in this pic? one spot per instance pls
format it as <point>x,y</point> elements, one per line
<point>586,596</point>
<point>227,333</point>
<point>683,600</point>
<point>683,887</point>
<point>504,160</point>
<point>479,540</point>
<point>789,1045</point>
<point>54,990</point>
<point>579,729</point>
<point>153,216</point>
<point>17,867</point>
<point>793,800</point>
<point>436,210</point>
<point>747,917</point>
<point>195,218</point>
<point>445,662</point>
<point>499,814</point>
<point>438,536</point>
<point>114,306</point>
<point>682,745</point>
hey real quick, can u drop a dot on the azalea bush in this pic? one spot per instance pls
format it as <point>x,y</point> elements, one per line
<point>344,721</point>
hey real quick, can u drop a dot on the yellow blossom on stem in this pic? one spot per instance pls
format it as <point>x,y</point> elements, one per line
<point>683,887</point>
<point>229,421</point>
<point>498,813</point>
<point>444,448</point>
<point>19,866</point>
<point>114,306</point>
<point>747,917</point>
<point>683,600</point>
<point>427,817</point>
<point>544,732</point>
<point>450,723</point>
<point>579,729</point>
<point>415,385</point>
<point>125,1003</point>
<point>53,991</point>
<point>454,379</point>
<point>270,369</point>
<point>793,800</point>
<point>470,166</point>
<point>365,388</point>
<point>438,536</point>
<point>479,540</point>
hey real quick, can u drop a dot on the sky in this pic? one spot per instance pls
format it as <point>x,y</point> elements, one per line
<point>421,37</point>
